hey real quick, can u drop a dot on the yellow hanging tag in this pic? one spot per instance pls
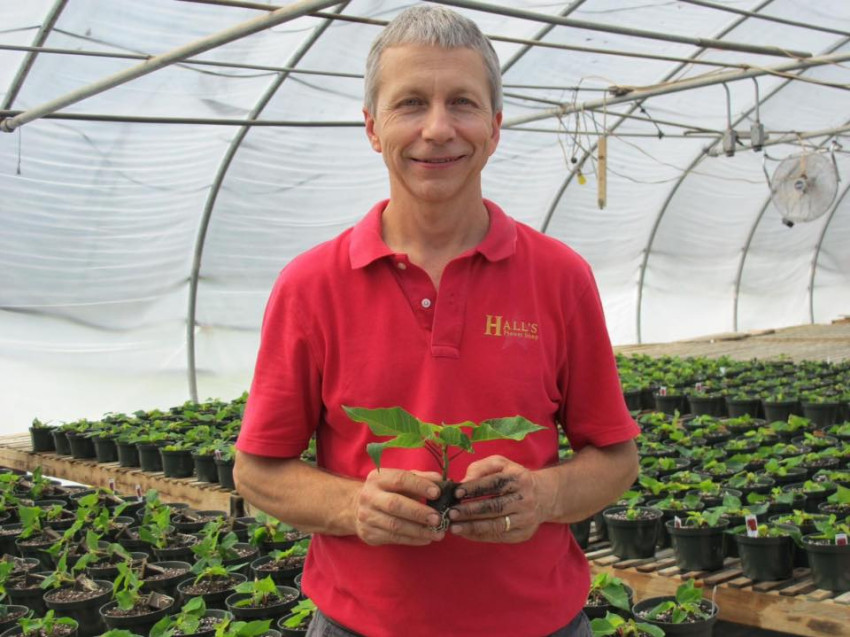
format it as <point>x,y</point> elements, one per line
<point>582,180</point>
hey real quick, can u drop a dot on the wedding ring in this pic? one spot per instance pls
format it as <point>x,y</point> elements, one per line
<point>507,523</point>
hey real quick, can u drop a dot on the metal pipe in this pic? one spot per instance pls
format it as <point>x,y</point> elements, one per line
<point>708,43</point>
<point>188,62</point>
<point>631,94</point>
<point>768,18</point>
<point>791,138</point>
<point>215,188</point>
<point>142,119</point>
<point>40,38</point>
<point>516,57</point>
<point>255,25</point>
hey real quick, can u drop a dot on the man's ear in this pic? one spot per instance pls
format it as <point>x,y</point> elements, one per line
<point>370,131</point>
<point>496,135</point>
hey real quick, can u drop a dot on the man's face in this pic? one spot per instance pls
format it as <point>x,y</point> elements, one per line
<point>434,123</point>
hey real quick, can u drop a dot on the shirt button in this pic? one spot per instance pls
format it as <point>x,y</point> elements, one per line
<point>426,303</point>
<point>401,265</point>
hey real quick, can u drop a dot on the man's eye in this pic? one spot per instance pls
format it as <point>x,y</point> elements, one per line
<point>410,101</point>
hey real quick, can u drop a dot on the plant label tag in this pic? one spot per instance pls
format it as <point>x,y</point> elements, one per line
<point>752,525</point>
<point>139,491</point>
<point>699,386</point>
<point>112,484</point>
<point>722,371</point>
<point>662,391</point>
<point>841,539</point>
<point>677,522</point>
<point>217,454</point>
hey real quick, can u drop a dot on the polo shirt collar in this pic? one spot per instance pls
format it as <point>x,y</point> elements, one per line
<point>367,244</point>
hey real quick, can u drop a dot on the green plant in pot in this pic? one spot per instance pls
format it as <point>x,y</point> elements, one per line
<point>408,432</point>
<point>230,627</point>
<point>298,620</point>
<point>194,618</point>
<point>282,566</point>
<point>41,435</point>
<point>214,583</point>
<point>78,597</point>
<point>685,613</point>
<point>613,624</point>
<point>633,530</point>
<point>268,533</point>
<point>768,553</point>
<point>608,593</point>
<point>699,541</point>
<point>48,626</point>
<point>829,554</point>
<point>261,599</point>
<point>131,608</point>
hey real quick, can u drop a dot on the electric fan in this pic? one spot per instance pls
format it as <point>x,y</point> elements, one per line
<point>803,187</point>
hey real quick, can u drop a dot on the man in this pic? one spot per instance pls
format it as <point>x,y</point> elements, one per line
<point>439,303</point>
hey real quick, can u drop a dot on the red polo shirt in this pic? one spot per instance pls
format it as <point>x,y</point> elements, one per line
<point>517,328</point>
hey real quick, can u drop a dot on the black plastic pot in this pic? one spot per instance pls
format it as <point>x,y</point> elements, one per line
<point>110,571</point>
<point>184,525</point>
<point>213,600</point>
<point>105,449</point>
<point>599,611</point>
<point>633,539</point>
<point>703,628</point>
<point>149,458</point>
<point>205,469</point>
<point>128,454</point>
<point>168,585</point>
<point>743,406</point>
<point>707,405</point>
<point>283,576</point>
<point>225,474</point>
<point>251,553</point>
<point>780,410</point>
<point>822,415</point>
<point>671,403</point>
<point>699,548</point>
<point>766,558</point>
<point>182,553</point>
<point>81,445</point>
<point>289,597</point>
<point>60,442</point>
<point>17,631</point>
<point>177,463</point>
<point>12,614</point>
<point>32,597</point>
<point>581,532</point>
<point>138,624</point>
<point>11,532</point>
<point>42,439</point>
<point>292,632</point>
<point>84,611</point>
<point>830,564</point>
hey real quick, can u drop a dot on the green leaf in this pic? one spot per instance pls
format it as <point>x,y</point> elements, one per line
<point>514,428</point>
<point>616,595</point>
<point>389,421</point>
<point>602,626</point>
<point>454,436</point>
<point>404,441</point>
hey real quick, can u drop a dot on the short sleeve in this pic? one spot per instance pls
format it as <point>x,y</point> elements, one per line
<point>593,411</point>
<point>284,403</point>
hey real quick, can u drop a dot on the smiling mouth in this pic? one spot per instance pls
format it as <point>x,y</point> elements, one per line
<point>439,160</point>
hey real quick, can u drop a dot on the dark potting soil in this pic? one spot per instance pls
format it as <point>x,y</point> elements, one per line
<point>287,563</point>
<point>59,630</point>
<point>165,574</point>
<point>211,585</point>
<point>270,601</point>
<point>206,624</point>
<point>146,605</point>
<point>642,514</point>
<point>667,616</point>
<point>25,582</point>
<point>444,502</point>
<point>74,594</point>
<point>15,614</point>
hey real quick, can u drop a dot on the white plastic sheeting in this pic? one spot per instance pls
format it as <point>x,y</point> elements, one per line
<point>101,220</point>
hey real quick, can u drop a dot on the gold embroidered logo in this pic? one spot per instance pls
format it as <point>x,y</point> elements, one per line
<point>496,325</point>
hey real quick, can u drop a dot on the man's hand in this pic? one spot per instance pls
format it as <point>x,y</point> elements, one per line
<point>504,502</point>
<point>389,508</point>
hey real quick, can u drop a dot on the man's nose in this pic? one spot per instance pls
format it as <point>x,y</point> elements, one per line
<point>438,126</point>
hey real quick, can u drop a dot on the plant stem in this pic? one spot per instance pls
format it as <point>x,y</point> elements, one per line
<point>446,462</point>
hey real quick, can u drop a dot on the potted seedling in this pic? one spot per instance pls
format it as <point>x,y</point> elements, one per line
<point>47,626</point>
<point>41,435</point>
<point>231,627</point>
<point>268,533</point>
<point>829,554</point>
<point>686,613</point>
<point>79,597</point>
<point>194,619</point>
<point>217,546</point>
<point>282,566</point>
<point>295,624</point>
<point>699,540</point>
<point>408,432</point>
<point>766,551</point>
<point>837,503</point>
<point>613,624</point>
<point>261,599</point>
<point>9,613</point>
<point>166,543</point>
<point>214,583</point>
<point>608,593</point>
<point>130,608</point>
<point>633,530</point>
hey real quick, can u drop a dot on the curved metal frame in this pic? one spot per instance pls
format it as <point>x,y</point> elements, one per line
<point>213,195</point>
<point>29,60</point>
<point>817,252</point>
<point>674,190</point>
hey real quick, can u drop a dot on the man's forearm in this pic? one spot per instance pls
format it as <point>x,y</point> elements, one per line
<point>297,493</point>
<point>592,479</point>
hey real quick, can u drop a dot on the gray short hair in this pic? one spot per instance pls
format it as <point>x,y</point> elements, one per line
<point>432,26</point>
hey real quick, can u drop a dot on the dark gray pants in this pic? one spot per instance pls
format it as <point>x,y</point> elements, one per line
<point>323,626</point>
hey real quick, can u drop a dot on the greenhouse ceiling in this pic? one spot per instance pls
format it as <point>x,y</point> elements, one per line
<point>161,161</point>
